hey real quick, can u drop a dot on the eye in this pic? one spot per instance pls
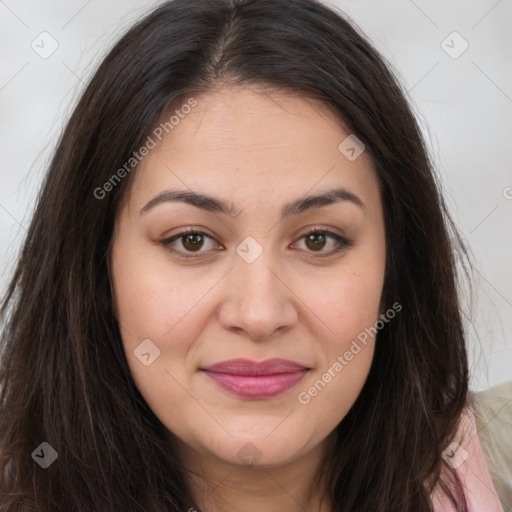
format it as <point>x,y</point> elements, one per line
<point>316,239</point>
<point>192,241</point>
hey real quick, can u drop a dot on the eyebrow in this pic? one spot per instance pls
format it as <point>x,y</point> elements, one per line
<point>217,205</point>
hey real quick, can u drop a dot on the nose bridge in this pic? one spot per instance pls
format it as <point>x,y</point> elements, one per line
<point>253,269</point>
<point>259,303</point>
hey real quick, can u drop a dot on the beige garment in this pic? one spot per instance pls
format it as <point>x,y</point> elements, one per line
<point>493,415</point>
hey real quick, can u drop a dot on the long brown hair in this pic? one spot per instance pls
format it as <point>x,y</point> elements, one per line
<point>64,376</point>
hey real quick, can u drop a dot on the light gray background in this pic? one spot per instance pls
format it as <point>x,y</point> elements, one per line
<point>464,105</point>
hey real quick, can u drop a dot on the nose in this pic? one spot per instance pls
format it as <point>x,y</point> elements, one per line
<point>258,303</point>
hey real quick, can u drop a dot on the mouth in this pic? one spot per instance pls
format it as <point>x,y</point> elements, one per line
<point>250,379</point>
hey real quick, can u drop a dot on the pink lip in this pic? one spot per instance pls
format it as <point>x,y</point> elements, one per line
<point>251,379</point>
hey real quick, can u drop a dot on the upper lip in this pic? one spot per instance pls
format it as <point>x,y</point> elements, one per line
<point>248,367</point>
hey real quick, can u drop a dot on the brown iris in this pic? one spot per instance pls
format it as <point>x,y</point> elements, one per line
<point>316,238</point>
<point>192,239</point>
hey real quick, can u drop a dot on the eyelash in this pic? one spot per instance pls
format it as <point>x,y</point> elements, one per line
<point>342,242</point>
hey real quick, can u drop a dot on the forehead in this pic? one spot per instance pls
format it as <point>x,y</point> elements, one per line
<point>253,143</point>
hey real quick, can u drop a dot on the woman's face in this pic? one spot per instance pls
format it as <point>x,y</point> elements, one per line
<point>251,285</point>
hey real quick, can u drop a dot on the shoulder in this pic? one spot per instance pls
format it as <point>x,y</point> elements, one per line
<point>465,455</point>
<point>493,414</point>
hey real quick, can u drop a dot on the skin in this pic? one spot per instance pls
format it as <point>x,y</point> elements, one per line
<point>258,151</point>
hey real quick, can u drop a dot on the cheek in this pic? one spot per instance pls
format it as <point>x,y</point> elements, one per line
<point>346,355</point>
<point>329,396</point>
<point>153,306</point>
<point>349,306</point>
<point>152,300</point>
<point>155,302</point>
<point>346,303</point>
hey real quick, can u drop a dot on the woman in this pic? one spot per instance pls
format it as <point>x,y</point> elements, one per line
<point>238,289</point>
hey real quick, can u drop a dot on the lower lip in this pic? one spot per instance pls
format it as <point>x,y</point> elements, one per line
<point>262,386</point>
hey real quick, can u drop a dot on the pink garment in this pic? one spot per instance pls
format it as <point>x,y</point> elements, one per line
<point>469,463</point>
